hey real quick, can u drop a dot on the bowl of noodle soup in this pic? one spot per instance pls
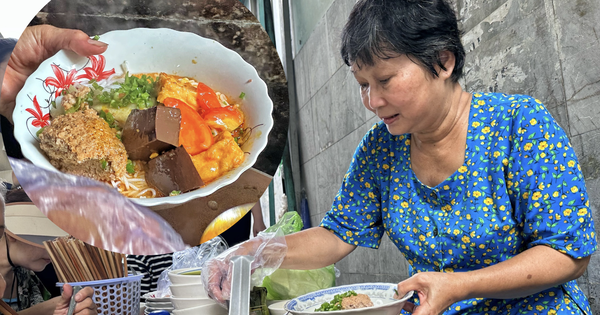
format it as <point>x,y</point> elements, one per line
<point>137,52</point>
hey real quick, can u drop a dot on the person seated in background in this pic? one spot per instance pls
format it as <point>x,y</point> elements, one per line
<point>22,253</point>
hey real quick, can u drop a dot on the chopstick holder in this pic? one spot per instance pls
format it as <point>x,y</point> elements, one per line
<point>73,303</point>
<point>239,302</point>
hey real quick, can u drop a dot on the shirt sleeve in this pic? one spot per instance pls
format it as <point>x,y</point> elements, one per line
<point>355,215</point>
<point>546,185</point>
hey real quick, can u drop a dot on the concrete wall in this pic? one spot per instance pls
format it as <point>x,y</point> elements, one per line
<point>545,48</point>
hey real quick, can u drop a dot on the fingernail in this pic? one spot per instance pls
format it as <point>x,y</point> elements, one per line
<point>77,297</point>
<point>97,43</point>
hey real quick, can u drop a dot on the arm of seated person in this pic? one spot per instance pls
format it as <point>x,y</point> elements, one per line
<point>314,248</point>
<point>529,272</point>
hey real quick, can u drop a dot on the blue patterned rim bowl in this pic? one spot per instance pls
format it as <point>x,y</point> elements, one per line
<point>381,294</point>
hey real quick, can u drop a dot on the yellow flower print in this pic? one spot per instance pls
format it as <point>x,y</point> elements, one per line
<point>529,173</point>
<point>488,201</point>
<point>574,189</point>
<point>456,231</point>
<point>481,102</point>
<point>477,194</point>
<point>528,146</point>
<point>536,195</point>
<point>422,238</point>
<point>396,197</point>
<point>567,212</point>
<point>348,233</point>
<point>426,219</point>
<point>526,195</point>
<point>496,154</point>
<point>368,217</point>
<point>555,194</point>
<point>340,207</point>
<point>552,312</point>
<point>432,246</point>
<point>476,124</point>
<point>482,246</point>
<point>351,194</point>
<point>466,239</point>
<point>462,169</point>
<point>468,217</point>
<point>371,195</point>
<point>385,166</point>
<point>539,308</point>
<point>582,212</point>
<point>533,122</point>
<point>487,261</point>
<point>364,149</point>
<point>368,185</point>
<point>486,130</point>
<point>543,145</point>
<point>571,163</point>
<point>404,204</point>
<point>407,142</point>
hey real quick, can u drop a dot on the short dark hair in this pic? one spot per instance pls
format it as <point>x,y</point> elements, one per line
<point>420,29</point>
<point>6,47</point>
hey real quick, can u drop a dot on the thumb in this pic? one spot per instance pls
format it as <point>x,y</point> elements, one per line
<point>55,39</point>
<point>65,297</point>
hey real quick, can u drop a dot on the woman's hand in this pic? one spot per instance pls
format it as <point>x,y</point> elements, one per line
<point>84,298</point>
<point>436,290</point>
<point>36,44</point>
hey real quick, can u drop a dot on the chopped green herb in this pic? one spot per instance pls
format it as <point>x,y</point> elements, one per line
<point>139,91</point>
<point>40,131</point>
<point>336,303</point>
<point>97,37</point>
<point>104,164</point>
<point>118,136</point>
<point>130,167</point>
<point>242,95</point>
<point>397,294</point>
<point>175,193</point>
<point>53,104</point>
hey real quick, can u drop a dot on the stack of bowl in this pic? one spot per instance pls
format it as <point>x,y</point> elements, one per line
<point>155,303</point>
<point>188,295</point>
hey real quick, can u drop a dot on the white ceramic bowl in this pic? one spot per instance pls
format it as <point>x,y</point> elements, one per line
<point>182,303</point>
<point>149,51</point>
<point>381,295</point>
<point>277,307</point>
<point>211,309</point>
<point>178,276</point>
<point>194,290</point>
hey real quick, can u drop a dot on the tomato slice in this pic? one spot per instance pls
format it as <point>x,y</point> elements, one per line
<point>206,97</point>
<point>223,118</point>
<point>194,133</point>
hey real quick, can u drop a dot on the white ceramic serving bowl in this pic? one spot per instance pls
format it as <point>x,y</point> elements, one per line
<point>194,290</point>
<point>178,276</point>
<point>150,51</point>
<point>182,303</point>
<point>381,295</point>
<point>210,309</point>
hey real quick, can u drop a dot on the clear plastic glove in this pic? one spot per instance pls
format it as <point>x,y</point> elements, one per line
<point>96,213</point>
<point>268,250</point>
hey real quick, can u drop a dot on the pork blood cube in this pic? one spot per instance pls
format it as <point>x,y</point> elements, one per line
<point>152,130</point>
<point>173,171</point>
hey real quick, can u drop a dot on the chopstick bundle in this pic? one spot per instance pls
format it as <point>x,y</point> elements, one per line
<point>76,261</point>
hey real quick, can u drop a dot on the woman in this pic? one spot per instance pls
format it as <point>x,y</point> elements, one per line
<point>482,193</point>
<point>21,254</point>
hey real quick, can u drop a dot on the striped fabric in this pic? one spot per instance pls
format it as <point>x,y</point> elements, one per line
<point>151,267</point>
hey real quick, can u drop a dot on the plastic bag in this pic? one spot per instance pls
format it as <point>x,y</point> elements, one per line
<point>96,213</point>
<point>193,257</point>
<point>286,284</point>
<point>268,250</point>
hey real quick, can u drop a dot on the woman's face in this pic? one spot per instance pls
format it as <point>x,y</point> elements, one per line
<point>28,256</point>
<point>408,98</point>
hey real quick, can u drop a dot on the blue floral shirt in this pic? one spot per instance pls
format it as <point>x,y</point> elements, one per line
<point>520,186</point>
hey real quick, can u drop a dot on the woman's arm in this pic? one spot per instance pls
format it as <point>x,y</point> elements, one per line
<point>314,248</point>
<point>531,271</point>
<point>44,308</point>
